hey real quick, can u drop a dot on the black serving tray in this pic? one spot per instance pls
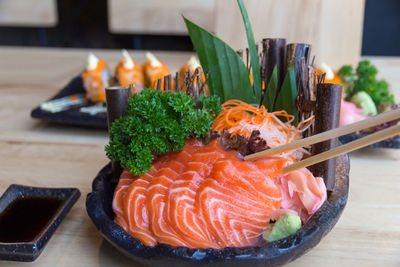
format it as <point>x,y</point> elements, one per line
<point>29,251</point>
<point>277,253</point>
<point>388,143</point>
<point>72,116</point>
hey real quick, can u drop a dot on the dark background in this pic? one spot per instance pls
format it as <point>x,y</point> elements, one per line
<point>83,24</point>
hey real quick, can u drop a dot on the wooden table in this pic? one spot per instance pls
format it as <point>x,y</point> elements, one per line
<point>43,154</point>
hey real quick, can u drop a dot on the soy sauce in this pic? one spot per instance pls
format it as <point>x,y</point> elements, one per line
<point>26,217</point>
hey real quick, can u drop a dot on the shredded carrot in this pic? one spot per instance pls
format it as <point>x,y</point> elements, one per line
<point>236,112</point>
<point>305,122</point>
<point>238,117</point>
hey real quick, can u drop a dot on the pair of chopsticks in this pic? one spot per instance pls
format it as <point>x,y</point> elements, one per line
<point>354,145</point>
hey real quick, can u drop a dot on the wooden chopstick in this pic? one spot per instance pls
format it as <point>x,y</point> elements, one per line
<point>362,142</point>
<point>350,128</point>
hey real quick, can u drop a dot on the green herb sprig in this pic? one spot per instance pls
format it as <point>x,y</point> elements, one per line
<point>158,122</point>
<point>364,79</point>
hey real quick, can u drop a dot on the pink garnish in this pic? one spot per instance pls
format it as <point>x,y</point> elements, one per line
<point>350,113</point>
<point>302,194</point>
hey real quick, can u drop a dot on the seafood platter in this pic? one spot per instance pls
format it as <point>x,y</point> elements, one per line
<point>183,187</point>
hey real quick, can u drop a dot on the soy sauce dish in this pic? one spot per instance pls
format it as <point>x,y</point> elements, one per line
<point>29,217</point>
<point>276,253</point>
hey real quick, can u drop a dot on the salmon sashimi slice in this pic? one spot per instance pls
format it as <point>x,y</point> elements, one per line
<point>136,212</point>
<point>206,197</point>
<point>182,199</point>
<point>119,195</point>
<point>182,196</point>
<point>237,201</point>
<point>157,198</point>
<point>235,173</point>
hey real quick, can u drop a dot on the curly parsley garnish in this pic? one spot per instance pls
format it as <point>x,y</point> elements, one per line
<point>364,79</point>
<point>158,122</point>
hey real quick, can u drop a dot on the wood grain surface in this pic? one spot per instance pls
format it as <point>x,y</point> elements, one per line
<point>334,28</point>
<point>28,13</point>
<point>159,16</point>
<point>42,154</point>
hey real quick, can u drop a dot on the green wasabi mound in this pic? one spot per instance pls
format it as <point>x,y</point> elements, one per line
<point>365,102</point>
<point>286,225</point>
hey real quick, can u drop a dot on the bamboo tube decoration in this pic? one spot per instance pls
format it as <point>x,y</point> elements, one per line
<point>117,102</point>
<point>297,55</point>
<point>327,113</point>
<point>294,53</point>
<point>273,54</point>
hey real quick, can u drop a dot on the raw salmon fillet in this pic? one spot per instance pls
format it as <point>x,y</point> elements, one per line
<point>200,197</point>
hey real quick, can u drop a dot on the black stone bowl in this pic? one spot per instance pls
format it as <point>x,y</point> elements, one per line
<point>72,115</point>
<point>388,143</point>
<point>277,253</point>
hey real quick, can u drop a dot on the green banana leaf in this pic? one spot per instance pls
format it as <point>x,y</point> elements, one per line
<point>287,97</point>
<point>255,67</point>
<point>271,91</point>
<point>229,78</point>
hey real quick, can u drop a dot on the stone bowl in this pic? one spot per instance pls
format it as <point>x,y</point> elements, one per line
<point>277,253</point>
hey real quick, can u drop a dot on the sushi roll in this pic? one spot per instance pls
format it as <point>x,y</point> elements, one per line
<point>96,78</point>
<point>129,72</point>
<point>153,70</point>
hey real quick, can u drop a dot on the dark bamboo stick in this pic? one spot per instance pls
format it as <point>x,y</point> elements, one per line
<point>177,85</point>
<point>327,113</point>
<point>294,53</point>
<point>117,102</point>
<point>165,83</point>
<point>273,54</point>
<point>240,53</point>
<point>298,55</point>
<point>247,60</point>
<point>204,83</point>
<point>159,84</point>
<point>169,82</point>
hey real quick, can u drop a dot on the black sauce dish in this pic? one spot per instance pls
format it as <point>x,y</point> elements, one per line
<point>277,253</point>
<point>61,199</point>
